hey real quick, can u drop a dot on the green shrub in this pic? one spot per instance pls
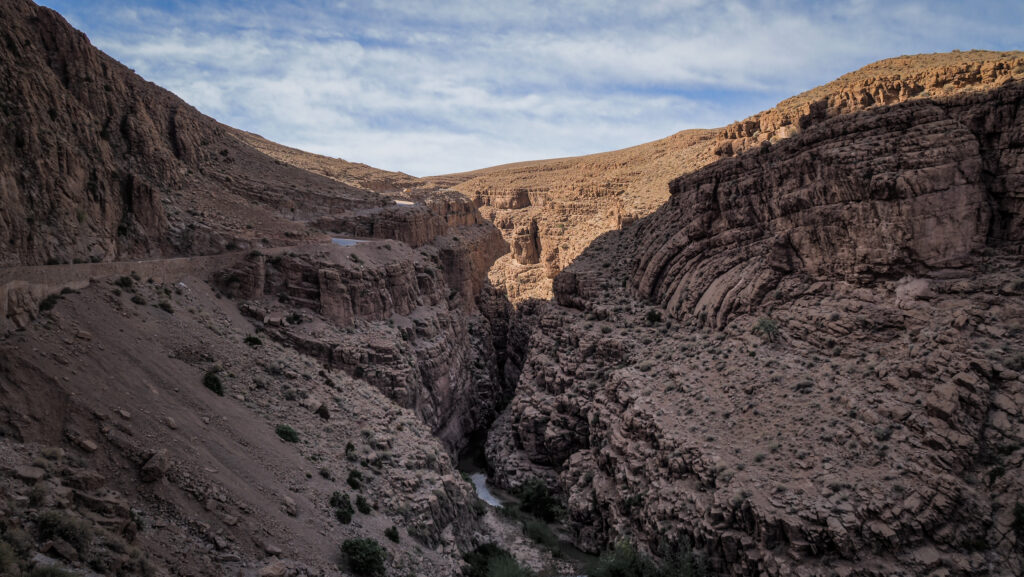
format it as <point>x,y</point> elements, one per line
<point>363,505</point>
<point>392,533</point>
<point>49,302</point>
<point>337,498</point>
<point>54,524</point>
<point>653,316</point>
<point>137,299</point>
<point>253,341</point>
<point>626,561</point>
<point>287,433</point>
<point>355,479</point>
<point>364,556</point>
<point>539,532</point>
<point>490,560</point>
<point>507,567</point>
<point>49,571</point>
<point>535,498</point>
<point>125,282</point>
<point>212,381</point>
<point>166,307</point>
<point>767,329</point>
<point>342,507</point>
<point>9,559</point>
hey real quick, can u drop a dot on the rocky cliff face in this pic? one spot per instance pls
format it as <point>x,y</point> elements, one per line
<point>806,362</point>
<point>236,440</point>
<point>550,211</point>
<point>402,319</point>
<point>910,188</point>
<point>98,164</point>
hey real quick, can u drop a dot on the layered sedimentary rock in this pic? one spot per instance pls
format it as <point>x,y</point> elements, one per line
<point>910,188</point>
<point>404,317</point>
<point>550,211</point>
<point>805,363</point>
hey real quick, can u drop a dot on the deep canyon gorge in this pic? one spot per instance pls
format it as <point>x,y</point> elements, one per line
<point>791,346</point>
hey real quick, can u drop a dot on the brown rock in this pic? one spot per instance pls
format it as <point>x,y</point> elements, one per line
<point>156,467</point>
<point>30,474</point>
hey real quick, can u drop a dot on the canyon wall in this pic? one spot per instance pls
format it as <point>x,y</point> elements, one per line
<point>403,317</point>
<point>806,362</point>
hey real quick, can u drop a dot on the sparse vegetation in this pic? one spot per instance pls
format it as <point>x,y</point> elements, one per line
<point>49,302</point>
<point>137,299</point>
<point>767,329</point>
<point>212,381</point>
<point>364,556</point>
<point>253,341</point>
<point>392,534</point>
<point>355,479</point>
<point>287,433</point>
<point>125,282</point>
<point>490,560</point>
<point>363,505</point>
<point>537,500</point>
<point>166,307</point>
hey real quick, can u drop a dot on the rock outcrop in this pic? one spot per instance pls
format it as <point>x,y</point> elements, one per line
<point>97,164</point>
<point>400,313</point>
<point>910,188</point>
<point>805,363</point>
<point>550,211</point>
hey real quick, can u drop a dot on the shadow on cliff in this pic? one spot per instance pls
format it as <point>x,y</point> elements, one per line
<point>875,195</point>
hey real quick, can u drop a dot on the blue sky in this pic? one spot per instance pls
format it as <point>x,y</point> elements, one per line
<point>430,87</point>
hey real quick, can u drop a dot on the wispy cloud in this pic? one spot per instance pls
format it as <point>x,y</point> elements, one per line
<point>432,87</point>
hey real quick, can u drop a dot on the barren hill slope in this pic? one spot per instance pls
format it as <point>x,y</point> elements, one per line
<point>550,210</point>
<point>98,164</point>
<point>351,173</point>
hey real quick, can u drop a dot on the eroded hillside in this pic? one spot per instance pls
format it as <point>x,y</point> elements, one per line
<point>807,361</point>
<point>98,165</point>
<point>790,346</point>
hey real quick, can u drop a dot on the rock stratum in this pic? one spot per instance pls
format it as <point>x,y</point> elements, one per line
<point>549,211</point>
<point>789,346</point>
<point>807,361</point>
<point>201,372</point>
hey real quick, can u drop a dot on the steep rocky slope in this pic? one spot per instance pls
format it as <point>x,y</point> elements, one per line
<point>807,362</point>
<point>122,435</point>
<point>378,358</point>
<point>549,211</point>
<point>98,164</point>
<point>354,174</point>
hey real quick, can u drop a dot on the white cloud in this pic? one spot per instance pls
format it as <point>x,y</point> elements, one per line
<point>432,87</point>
